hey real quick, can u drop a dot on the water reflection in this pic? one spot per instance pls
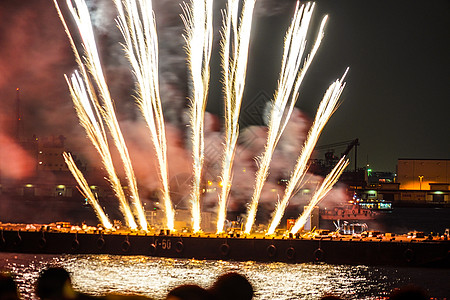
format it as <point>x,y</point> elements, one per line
<point>100,274</point>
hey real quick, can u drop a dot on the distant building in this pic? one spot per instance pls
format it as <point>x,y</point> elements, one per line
<point>50,154</point>
<point>417,182</point>
<point>50,178</point>
<point>424,180</point>
<point>418,174</point>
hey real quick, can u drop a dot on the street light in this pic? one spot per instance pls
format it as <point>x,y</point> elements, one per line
<point>420,181</point>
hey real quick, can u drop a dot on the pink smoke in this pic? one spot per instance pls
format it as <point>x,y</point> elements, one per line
<point>15,163</point>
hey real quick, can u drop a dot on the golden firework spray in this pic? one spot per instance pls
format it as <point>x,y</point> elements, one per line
<point>285,95</point>
<point>141,48</point>
<point>326,108</point>
<point>199,34</point>
<point>321,192</point>
<point>84,94</point>
<point>234,63</point>
<point>86,191</point>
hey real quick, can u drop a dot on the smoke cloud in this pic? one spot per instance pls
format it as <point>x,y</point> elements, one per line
<point>15,163</point>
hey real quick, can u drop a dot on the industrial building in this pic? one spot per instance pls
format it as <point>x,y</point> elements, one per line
<point>417,182</point>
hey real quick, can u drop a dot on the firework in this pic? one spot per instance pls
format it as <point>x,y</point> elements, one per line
<point>235,44</point>
<point>141,48</point>
<point>199,34</point>
<point>86,191</point>
<point>285,95</point>
<point>90,119</point>
<point>137,23</point>
<point>321,192</point>
<point>107,108</point>
<point>83,94</point>
<point>326,108</point>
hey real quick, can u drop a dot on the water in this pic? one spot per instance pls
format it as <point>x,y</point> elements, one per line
<point>154,277</point>
<point>100,274</point>
<point>404,219</point>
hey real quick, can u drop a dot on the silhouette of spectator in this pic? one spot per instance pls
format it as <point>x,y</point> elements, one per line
<point>409,292</point>
<point>189,292</point>
<point>55,283</point>
<point>232,285</point>
<point>330,297</point>
<point>8,287</point>
<point>124,297</point>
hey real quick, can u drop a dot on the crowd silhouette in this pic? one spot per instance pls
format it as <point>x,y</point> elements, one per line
<point>54,283</point>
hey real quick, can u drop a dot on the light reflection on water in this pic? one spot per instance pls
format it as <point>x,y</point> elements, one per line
<point>154,277</point>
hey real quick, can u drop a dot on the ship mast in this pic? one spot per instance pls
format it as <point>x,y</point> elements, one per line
<point>19,124</point>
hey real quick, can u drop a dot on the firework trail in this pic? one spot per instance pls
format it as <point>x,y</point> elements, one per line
<point>86,191</point>
<point>323,190</point>
<point>326,108</point>
<point>83,95</point>
<point>234,67</point>
<point>286,95</point>
<point>141,48</point>
<point>107,109</point>
<point>197,19</point>
<point>89,118</point>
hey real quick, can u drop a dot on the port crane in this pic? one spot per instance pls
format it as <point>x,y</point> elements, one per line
<point>350,144</point>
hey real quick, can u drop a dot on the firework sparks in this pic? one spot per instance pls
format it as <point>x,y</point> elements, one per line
<point>86,191</point>
<point>137,23</point>
<point>234,68</point>
<point>286,95</point>
<point>83,95</point>
<point>107,109</point>
<point>321,192</point>
<point>141,48</point>
<point>199,34</point>
<point>90,120</point>
<point>326,108</point>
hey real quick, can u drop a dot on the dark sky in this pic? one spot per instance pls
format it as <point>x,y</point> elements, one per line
<point>397,98</point>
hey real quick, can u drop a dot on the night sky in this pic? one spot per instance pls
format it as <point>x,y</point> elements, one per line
<point>396,101</point>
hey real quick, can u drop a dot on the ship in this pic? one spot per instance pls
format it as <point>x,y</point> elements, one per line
<point>321,246</point>
<point>348,212</point>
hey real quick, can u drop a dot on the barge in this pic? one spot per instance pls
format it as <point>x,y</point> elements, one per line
<point>415,250</point>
